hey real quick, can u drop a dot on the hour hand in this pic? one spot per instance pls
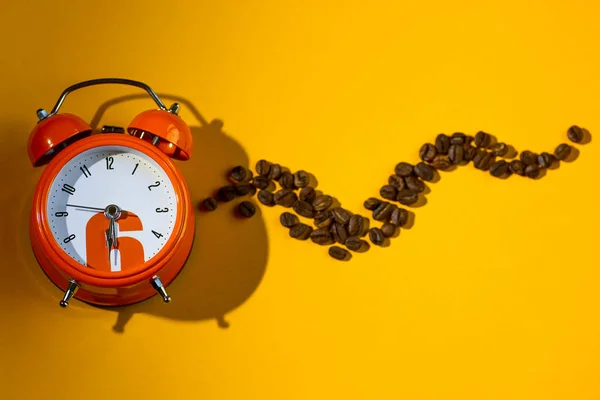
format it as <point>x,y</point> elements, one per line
<point>111,237</point>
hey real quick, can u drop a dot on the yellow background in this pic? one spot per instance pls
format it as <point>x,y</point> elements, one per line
<point>491,295</point>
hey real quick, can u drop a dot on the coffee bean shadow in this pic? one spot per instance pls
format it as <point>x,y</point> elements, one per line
<point>511,153</point>
<point>587,137</point>
<point>573,155</point>
<point>410,221</point>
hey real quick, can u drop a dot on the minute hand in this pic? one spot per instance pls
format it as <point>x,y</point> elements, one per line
<point>89,208</point>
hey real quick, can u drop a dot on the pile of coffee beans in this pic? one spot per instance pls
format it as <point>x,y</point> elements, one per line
<point>327,223</point>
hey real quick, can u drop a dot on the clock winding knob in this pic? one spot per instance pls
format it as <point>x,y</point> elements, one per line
<point>71,289</point>
<point>158,286</point>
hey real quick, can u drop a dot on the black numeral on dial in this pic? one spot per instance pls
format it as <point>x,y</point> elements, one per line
<point>68,188</point>
<point>61,214</point>
<point>109,162</point>
<point>162,210</point>
<point>156,184</point>
<point>158,235</point>
<point>133,172</point>
<point>69,238</point>
<point>86,172</point>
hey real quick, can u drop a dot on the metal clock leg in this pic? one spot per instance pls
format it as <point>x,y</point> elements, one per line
<point>71,289</point>
<point>158,286</point>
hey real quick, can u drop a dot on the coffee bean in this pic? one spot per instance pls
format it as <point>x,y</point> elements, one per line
<point>285,197</point>
<point>483,160</point>
<point>339,232</point>
<point>265,197</point>
<point>275,172</point>
<point>399,217</point>
<point>517,167</point>
<point>456,154</point>
<point>388,192</point>
<point>322,202</point>
<point>244,188</point>
<point>341,216</point>
<point>288,219</point>
<point>468,140</point>
<point>404,169</point>
<point>304,208</point>
<point>376,236</point>
<point>528,158</point>
<point>499,168</point>
<point>562,151</point>
<point>238,174</point>
<point>355,225</point>
<point>355,243</point>
<point>246,209</point>
<point>261,182</point>
<point>546,160</point>
<point>301,179</point>
<point>500,149</point>
<point>532,171</point>
<point>388,229</point>
<point>575,134</point>
<point>323,219</point>
<point>458,138</point>
<point>424,171</point>
<point>482,139</point>
<point>263,167</point>
<point>407,197</point>
<point>339,253</point>
<point>307,194</point>
<point>383,211</point>
<point>321,236</point>
<point>442,144</point>
<point>226,194</point>
<point>286,181</point>
<point>396,181</point>
<point>209,204</point>
<point>441,162</point>
<point>427,152</point>
<point>414,183</point>
<point>301,231</point>
<point>371,203</point>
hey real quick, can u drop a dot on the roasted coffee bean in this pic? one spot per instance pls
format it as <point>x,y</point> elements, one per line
<point>371,203</point>
<point>456,154</point>
<point>321,236</point>
<point>263,167</point>
<point>442,143</point>
<point>288,219</point>
<point>404,169</point>
<point>286,181</point>
<point>238,174</point>
<point>355,225</point>
<point>339,253</point>
<point>376,236</point>
<point>209,204</point>
<point>261,182</point>
<point>354,243</point>
<point>441,162</point>
<point>226,193</point>
<point>546,160</point>
<point>528,157</point>
<point>483,160</point>
<point>562,151</point>
<point>307,194</point>
<point>304,208</point>
<point>499,168</point>
<point>575,134</point>
<point>275,172</point>
<point>285,197</point>
<point>532,171</point>
<point>469,139</point>
<point>458,138</point>
<point>424,171</point>
<point>388,229</point>
<point>244,188</point>
<point>301,179</point>
<point>500,149</point>
<point>322,202</point>
<point>341,215</point>
<point>427,152</point>
<point>396,181</point>
<point>517,167</point>
<point>323,219</point>
<point>414,183</point>
<point>482,139</point>
<point>265,197</point>
<point>469,152</point>
<point>339,232</point>
<point>246,209</point>
<point>388,192</point>
<point>407,197</point>
<point>301,231</point>
<point>399,217</point>
<point>383,211</point>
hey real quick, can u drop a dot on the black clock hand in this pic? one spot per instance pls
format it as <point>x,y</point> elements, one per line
<point>91,208</point>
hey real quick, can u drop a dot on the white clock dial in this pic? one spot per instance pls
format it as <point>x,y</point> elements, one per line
<point>97,178</point>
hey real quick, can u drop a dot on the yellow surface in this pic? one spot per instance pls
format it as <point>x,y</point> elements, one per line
<point>493,294</point>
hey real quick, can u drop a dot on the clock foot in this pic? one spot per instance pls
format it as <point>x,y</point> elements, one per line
<point>158,286</point>
<point>71,289</point>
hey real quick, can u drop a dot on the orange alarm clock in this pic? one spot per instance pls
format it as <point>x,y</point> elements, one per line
<point>112,220</point>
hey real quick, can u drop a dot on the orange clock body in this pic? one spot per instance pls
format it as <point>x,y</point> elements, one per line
<point>107,288</point>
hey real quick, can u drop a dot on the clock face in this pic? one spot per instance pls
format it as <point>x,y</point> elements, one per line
<point>95,181</point>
